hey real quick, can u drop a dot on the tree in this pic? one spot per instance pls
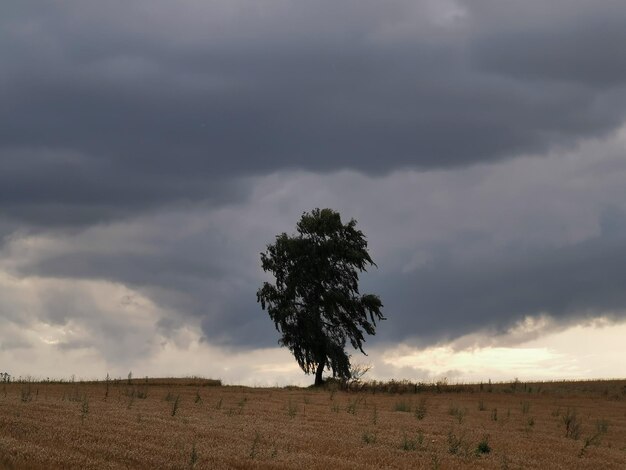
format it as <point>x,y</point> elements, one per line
<point>315,302</point>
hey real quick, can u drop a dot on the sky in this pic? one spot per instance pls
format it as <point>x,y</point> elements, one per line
<point>150,150</point>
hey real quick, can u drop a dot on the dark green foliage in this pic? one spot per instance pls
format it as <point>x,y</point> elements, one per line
<point>483,446</point>
<point>315,302</point>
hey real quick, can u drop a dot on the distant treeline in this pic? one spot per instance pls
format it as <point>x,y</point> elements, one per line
<point>611,389</point>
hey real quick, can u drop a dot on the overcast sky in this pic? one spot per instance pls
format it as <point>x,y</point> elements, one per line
<point>150,150</point>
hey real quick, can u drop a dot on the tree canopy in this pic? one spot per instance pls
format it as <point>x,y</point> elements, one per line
<point>315,301</point>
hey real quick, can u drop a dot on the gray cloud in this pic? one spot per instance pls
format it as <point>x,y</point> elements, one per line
<point>567,42</point>
<point>448,297</point>
<point>459,251</point>
<point>110,109</point>
<point>149,152</point>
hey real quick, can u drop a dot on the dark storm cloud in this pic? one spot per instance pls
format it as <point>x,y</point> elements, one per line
<point>474,270</point>
<point>163,113</point>
<point>573,41</point>
<point>62,188</point>
<point>448,297</point>
<point>110,108</point>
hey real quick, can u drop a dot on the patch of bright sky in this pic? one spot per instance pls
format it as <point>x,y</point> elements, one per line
<point>585,351</point>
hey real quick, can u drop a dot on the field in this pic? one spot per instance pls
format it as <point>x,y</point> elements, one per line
<point>194,423</point>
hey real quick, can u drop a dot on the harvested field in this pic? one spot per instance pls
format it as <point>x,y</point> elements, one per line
<point>190,423</point>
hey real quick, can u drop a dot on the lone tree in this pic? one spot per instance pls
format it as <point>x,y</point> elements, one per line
<point>315,302</point>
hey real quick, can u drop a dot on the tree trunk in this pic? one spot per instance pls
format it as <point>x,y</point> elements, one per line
<point>318,374</point>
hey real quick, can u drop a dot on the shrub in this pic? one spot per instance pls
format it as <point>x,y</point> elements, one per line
<point>602,426</point>
<point>84,409</point>
<point>408,444</point>
<point>351,408</point>
<point>369,437</point>
<point>455,410</point>
<point>457,444</point>
<point>483,446</point>
<point>255,445</point>
<point>420,409</point>
<point>175,405</point>
<point>194,456</point>
<point>26,393</point>
<point>402,406</point>
<point>291,409</point>
<point>572,424</point>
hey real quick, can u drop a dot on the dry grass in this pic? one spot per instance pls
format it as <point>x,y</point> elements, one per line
<point>183,423</point>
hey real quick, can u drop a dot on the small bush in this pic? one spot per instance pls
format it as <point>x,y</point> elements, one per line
<point>456,411</point>
<point>76,395</point>
<point>193,459</point>
<point>402,406</point>
<point>84,409</point>
<point>457,444</point>
<point>241,404</point>
<point>255,445</point>
<point>369,437</point>
<point>572,424</point>
<point>602,427</point>
<point>408,444</point>
<point>175,405</point>
<point>291,409</point>
<point>483,446</point>
<point>420,409</point>
<point>352,406</point>
<point>26,393</point>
